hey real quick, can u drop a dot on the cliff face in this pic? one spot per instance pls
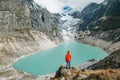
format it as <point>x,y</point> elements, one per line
<point>26,14</point>
<point>22,21</point>
<point>25,28</point>
<point>21,24</point>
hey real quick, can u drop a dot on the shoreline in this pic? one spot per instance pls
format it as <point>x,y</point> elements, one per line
<point>30,54</point>
<point>48,76</point>
<point>23,56</point>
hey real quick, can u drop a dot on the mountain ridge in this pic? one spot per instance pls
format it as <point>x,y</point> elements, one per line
<point>105,15</point>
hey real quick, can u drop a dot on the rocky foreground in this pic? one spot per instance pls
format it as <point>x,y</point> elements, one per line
<point>76,74</point>
<point>106,69</point>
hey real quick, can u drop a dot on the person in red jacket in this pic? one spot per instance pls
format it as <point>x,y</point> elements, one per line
<point>68,59</point>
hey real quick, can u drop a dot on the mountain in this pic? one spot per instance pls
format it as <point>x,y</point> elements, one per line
<point>25,28</point>
<point>25,14</point>
<point>96,24</point>
<point>104,16</point>
<point>25,21</point>
<point>99,25</point>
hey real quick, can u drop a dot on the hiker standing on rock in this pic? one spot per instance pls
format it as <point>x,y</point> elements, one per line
<point>68,59</point>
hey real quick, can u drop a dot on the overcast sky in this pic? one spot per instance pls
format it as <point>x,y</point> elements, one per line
<point>56,6</point>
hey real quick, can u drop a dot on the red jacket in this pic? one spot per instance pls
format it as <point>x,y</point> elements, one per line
<point>68,57</point>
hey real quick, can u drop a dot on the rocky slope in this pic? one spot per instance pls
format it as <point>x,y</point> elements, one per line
<point>24,25</point>
<point>26,14</point>
<point>106,40</point>
<point>76,74</point>
<point>111,61</point>
<point>25,28</point>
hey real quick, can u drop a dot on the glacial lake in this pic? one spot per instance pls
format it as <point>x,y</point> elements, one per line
<point>50,60</point>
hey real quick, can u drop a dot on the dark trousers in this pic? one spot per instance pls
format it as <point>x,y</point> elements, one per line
<point>68,65</point>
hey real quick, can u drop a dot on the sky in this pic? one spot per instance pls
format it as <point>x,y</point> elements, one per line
<point>56,6</point>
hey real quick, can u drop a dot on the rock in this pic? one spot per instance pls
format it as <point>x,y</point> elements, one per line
<point>111,61</point>
<point>68,72</point>
<point>62,78</point>
<point>83,76</point>
<point>92,60</point>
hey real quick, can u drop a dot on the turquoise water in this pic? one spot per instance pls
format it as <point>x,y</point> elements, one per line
<point>50,60</point>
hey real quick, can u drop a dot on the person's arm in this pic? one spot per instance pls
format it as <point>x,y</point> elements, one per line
<point>65,57</point>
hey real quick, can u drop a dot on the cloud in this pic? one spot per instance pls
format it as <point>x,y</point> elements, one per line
<point>53,6</point>
<point>80,4</point>
<point>56,6</point>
